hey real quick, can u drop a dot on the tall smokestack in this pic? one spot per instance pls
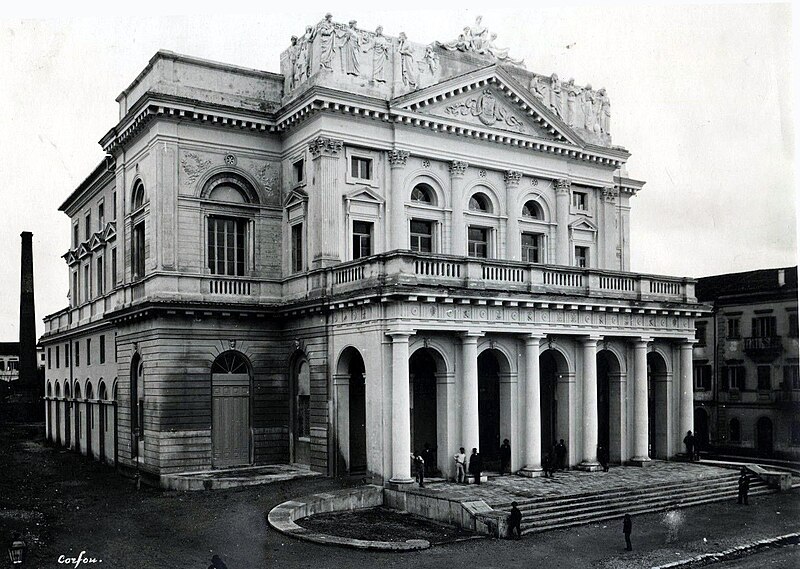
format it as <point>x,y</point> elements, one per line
<point>28,375</point>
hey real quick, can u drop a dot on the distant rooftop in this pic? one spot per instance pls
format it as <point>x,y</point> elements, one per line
<point>762,281</point>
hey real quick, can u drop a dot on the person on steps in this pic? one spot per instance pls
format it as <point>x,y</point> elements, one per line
<point>627,526</point>
<point>515,521</point>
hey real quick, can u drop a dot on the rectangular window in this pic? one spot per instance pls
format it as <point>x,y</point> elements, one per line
<point>77,354</point>
<point>702,377</point>
<point>733,329</point>
<point>66,355</point>
<point>75,238</point>
<point>579,200</point>
<point>101,216</point>
<point>700,333</point>
<point>58,357</point>
<point>298,171</point>
<point>733,377</point>
<point>87,283</point>
<point>88,351</point>
<point>793,325</point>
<point>361,168</point>
<point>88,228</point>
<point>137,251</point>
<point>362,239</point>
<point>791,377</point>
<point>226,246</point>
<point>478,242</point>
<point>114,205</point>
<point>764,327</point>
<point>421,236</point>
<point>100,277</point>
<point>531,247</point>
<point>582,257</point>
<point>49,358</point>
<point>764,378</point>
<point>114,266</point>
<point>102,349</point>
<point>75,291</point>
<point>297,248</point>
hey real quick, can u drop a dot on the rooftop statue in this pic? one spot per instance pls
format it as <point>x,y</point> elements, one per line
<point>477,39</point>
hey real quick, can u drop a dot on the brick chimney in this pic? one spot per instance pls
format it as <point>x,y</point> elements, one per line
<point>28,374</point>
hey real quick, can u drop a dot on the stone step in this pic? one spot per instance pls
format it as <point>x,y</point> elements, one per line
<point>601,508</point>
<point>617,513</point>
<point>582,496</point>
<point>572,506</point>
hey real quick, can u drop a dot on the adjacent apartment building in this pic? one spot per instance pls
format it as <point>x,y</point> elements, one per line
<point>747,386</point>
<point>384,245</point>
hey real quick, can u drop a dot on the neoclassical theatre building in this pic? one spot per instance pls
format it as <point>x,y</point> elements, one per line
<point>385,245</point>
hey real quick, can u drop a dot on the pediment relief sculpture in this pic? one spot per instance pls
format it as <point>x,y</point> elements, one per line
<point>487,110</point>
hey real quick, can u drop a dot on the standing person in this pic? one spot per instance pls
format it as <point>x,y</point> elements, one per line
<point>429,456</point>
<point>602,456</point>
<point>547,465</point>
<point>461,466</point>
<point>627,526</point>
<point>514,521</point>
<point>419,464</point>
<point>688,440</point>
<point>505,457</point>
<point>561,454</point>
<point>744,487</point>
<point>475,465</point>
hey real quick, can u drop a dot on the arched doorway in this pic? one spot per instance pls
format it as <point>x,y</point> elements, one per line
<point>489,410</point>
<point>58,413</point>
<point>351,412</point>
<point>300,411</point>
<point>701,429</point>
<point>48,414</point>
<point>422,370</point>
<point>137,406</point>
<point>553,368</point>
<point>89,418</point>
<point>609,406</point>
<point>67,416</point>
<point>764,436</point>
<point>78,416</point>
<point>102,405</point>
<point>230,410</point>
<point>657,405</point>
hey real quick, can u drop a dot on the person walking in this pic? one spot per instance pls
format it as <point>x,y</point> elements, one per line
<point>561,454</point>
<point>744,487</point>
<point>475,465</point>
<point>688,440</point>
<point>627,526</point>
<point>515,521</point>
<point>419,464</point>
<point>505,457</point>
<point>461,466</point>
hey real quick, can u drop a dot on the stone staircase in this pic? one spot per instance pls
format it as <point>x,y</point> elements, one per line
<point>554,512</point>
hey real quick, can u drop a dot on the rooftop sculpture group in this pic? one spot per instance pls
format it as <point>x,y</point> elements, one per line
<point>478,39</point>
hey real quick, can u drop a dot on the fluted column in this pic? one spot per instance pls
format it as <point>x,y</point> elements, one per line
<point>513,243</point>
<point>401,409</point>
<point>470,436</point>
<point>458,235</point>
<point>323,204</point>
<point>687,388</point>
<point>399,228</point>
<point>562,221</point>
<point>640,414</point>
<point>532,429</point>
<point>589,382</point>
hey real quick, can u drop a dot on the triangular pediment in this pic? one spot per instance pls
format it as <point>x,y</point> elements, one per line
<point>295,196</point>
<point>70,257</point>
<point>583,224</point>
<point>364,194</point>
<point>96,241</point>
<point>83,250</point>
<point>110,231</point>
<point>489,98</point>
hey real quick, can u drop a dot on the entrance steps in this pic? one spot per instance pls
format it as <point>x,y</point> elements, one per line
<point>555,512</point>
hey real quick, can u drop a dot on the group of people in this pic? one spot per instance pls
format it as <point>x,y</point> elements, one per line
<point>555,459</point>
<point>692,446</point>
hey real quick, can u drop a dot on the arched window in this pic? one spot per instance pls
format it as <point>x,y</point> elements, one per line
<point>137,395</point>
<point>423,193</point>
<point>303,400</point>
<point>49,389</point>
<point>89,390</point>
<point>77,390</point>
<point>480,202</point>
<point>66,389</point>
<point>58,390</point>
<point>137,195</point>
<point>532,210</point>
<point>230,362</point>
<point>734,431</point>
<point>103,393</point>
<point>227,193</point>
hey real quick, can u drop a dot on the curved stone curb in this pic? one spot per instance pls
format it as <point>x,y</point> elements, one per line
<point>734,552</point>
<point>282,518</point>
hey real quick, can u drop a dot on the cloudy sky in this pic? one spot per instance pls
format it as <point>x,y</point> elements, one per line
<point>703,97</point>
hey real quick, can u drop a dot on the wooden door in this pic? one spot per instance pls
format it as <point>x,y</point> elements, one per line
<point>230,419</point>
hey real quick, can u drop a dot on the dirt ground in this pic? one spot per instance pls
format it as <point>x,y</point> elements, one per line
<point>63,504</point>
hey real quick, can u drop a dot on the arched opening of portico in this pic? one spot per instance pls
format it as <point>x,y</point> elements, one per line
<point>423,368</point>
<point>351,402</point>
<point>657,407</point>
<point>493,406</point>
<point>553,368</point>
<point>609,404</point>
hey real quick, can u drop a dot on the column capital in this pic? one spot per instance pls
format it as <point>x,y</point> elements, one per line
<point>400,335</point>
<point>642,340</point>
<point>398,158</point>
<point>591,339</point>
<point>457,168</point>
<point>563,185</point>
<point>325,146</point>
<point>534,338</point>
<point>610,194</point>
<point>512,178</point>
<point>471,337</point>
<point>687,343</point>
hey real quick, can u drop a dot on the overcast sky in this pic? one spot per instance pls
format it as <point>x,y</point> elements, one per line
<point>702,96</point>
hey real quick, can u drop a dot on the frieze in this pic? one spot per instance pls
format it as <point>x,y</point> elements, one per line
<point>486,109</point>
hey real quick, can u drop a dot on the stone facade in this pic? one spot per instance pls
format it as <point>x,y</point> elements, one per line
<point>379,248</point>
<point>747,385</point>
